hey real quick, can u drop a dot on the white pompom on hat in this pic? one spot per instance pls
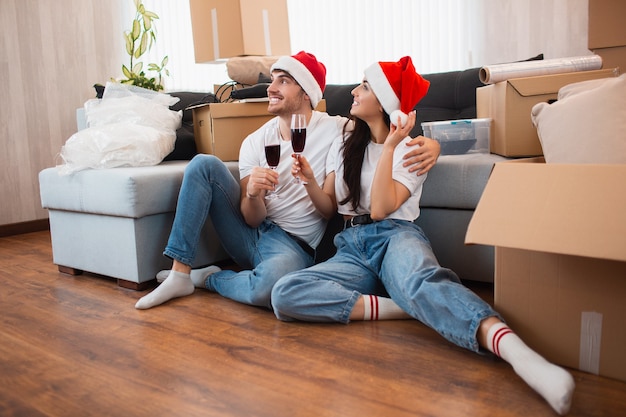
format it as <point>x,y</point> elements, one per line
<point>307,71</point>
<point>397,86</point>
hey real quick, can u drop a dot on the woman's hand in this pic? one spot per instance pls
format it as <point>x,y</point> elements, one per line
<point>323,198</point>
<point>302,169</point>
<point>397,132</point>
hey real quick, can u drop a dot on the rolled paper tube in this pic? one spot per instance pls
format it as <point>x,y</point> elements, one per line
<point>492,74</point>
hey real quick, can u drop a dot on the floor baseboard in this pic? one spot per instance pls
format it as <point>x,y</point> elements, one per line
<point>24,227</point>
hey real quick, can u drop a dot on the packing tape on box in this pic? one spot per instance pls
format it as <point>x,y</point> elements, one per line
<point>266,32</point>
<point>492,74</point>
<point>590,341</point>
<point>216,39</point>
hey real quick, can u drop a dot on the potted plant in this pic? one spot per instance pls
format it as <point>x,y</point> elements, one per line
<point>139,40</point>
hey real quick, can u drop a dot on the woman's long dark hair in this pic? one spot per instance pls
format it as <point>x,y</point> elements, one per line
<point>353,153</point>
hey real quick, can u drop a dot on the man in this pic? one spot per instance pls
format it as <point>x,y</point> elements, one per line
<point>267,238</point>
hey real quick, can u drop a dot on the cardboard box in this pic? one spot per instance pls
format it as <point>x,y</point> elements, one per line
<point>606,36</point>
<point>613,57</point>
<point>606,24</point>
<point>227,28</point>
<point>509,104</point>
<point>223,91</point>
<point>560,260</point>
<point>220,128</point>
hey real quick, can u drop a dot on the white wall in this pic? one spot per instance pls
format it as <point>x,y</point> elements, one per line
<point>440,35</point>
<point>509,30</point>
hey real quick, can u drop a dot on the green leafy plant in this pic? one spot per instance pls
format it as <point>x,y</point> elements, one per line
<point>139,40</point>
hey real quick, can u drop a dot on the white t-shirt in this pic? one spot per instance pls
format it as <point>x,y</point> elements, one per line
<point>409,210</point>
<point>294,211</point>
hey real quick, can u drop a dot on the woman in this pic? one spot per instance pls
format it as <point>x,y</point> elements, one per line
<point>384,266</point>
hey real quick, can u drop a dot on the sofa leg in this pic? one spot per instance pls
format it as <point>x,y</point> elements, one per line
<point>137,286</point>
<point>69,270</point>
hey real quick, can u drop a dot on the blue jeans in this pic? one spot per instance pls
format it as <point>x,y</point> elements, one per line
<point>266,252</point>
<point>389,258</point>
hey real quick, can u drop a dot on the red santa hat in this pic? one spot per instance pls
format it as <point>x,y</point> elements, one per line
<point>397,86</point>
<point>307,71</point>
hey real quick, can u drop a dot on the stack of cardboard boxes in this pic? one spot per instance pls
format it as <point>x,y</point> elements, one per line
<point>559,229</point>
<point>227,28</point>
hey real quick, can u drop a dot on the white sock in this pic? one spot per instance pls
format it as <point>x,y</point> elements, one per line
<point>382,308</point>
<point>198,276</point>
<point>177,284</point>
<point>552,382</point>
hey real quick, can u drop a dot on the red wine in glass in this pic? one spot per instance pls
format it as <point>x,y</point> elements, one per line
<point>272,154</point>
<point>272,140</point>
<point>298,137</point>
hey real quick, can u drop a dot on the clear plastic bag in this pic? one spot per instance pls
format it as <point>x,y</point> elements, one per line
<point>129,126</point>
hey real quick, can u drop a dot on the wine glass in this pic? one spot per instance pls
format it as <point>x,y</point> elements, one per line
<point>272,140</point>
<point>298,137</point>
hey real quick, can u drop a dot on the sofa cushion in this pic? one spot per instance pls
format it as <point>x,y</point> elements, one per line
<point>185,145</point>
<point>587,124</point>
<point>125,192</point>
<point>133,192</point>
<point>458,181</point>
<point>338,99</point>
<point>186,99</point>
<point>452,95</point>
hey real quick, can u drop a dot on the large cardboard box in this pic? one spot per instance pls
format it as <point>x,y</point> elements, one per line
<point>219,128</point>
<point>509,104</point>
<point>560,260</point>
<point>227,28</point>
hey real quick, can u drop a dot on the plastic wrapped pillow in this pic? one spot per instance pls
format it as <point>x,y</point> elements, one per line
<point>129,126</point>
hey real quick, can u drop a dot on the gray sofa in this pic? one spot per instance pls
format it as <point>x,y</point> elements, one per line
<point>115,222</point>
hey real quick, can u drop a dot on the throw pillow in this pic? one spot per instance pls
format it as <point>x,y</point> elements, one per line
<point>587,123</point>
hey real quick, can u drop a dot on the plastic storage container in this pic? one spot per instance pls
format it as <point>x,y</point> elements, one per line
<point>458,137</point>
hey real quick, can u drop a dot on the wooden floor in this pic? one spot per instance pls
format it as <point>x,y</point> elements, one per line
<point>76,346</point>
